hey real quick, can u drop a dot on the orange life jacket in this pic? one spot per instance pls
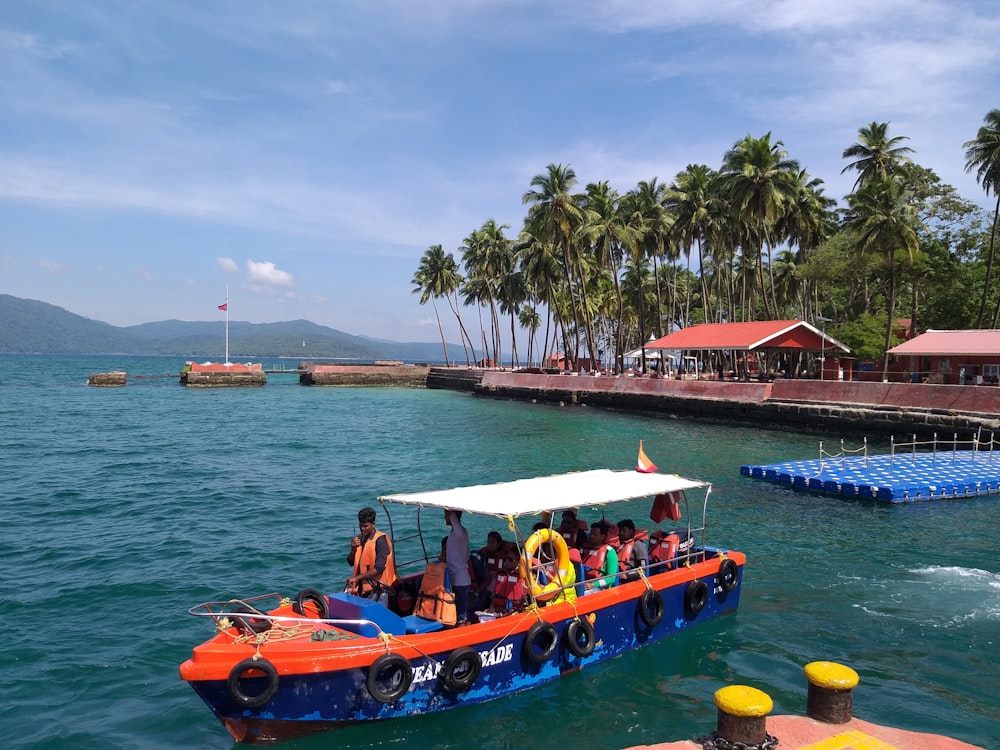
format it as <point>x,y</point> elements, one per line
<point>364,561</point>
<point>625,550</point>
<point>494,560</point>
<point>435,602</point>
<point>509,590</point>
<point>593,563</point>
<point>663,547</point>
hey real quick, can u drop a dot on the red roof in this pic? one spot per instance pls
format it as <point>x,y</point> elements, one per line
<point>975,343</point>
<point>769,334</point>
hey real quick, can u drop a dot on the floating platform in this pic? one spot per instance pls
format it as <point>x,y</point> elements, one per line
<point>898,478</point>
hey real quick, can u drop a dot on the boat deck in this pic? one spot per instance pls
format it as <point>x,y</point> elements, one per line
<point>898,478</point>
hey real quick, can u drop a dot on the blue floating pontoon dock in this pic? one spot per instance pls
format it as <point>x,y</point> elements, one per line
<point>892,478</point>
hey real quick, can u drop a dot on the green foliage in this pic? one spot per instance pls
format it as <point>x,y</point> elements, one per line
<point>865,335</point>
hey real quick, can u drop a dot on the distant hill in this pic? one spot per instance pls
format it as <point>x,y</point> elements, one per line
<point>33,327</point>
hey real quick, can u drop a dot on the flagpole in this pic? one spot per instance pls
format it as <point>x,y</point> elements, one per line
<point>227,326</point>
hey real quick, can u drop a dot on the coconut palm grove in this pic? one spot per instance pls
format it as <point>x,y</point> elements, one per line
<point>594,271</point>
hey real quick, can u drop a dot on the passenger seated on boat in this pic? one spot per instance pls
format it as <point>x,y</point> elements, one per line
<point>573,530</point>
<point>509,591</point>
<point>552,572</point>
<point>372,558</point>
<point>663,546</point>
<point>493,555</point>
<point>600,561</point>
<point>631,550</point>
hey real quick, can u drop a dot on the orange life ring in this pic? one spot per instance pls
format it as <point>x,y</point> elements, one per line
<point>552,588</point>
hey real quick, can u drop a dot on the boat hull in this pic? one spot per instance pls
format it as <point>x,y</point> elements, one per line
<point>324,685</point>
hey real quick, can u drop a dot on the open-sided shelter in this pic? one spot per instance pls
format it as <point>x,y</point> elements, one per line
<point>748,346</point>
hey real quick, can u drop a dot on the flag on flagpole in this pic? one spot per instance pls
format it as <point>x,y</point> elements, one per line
<point>224,306</point>
<point>644,465</point>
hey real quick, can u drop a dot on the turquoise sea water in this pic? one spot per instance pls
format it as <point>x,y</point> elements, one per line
<point>121,508</point>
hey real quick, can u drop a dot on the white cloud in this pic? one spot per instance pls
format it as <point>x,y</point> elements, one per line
<point>227,264</point>
<point>338,87</point>
<point>51,266</point>
<point>266,275</point>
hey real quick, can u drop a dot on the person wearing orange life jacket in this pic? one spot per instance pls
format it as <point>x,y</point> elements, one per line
<point>508,590</point>
<point>631,550</point>
<point>570,529</point>
<point>372,559</point>
<point>493,556</point>
<point>600,563</point>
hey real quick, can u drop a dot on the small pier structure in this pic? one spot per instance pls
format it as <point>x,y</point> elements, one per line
<point>927,470</point>
<point>223,375</point>
<point>113,379</point>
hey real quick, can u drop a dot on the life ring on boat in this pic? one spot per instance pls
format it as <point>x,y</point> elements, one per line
<point>695,596</point>
<point>580,637</point>
<point>541,635</point>
<point>241,670</point>
<point>460,670</point>
<point>389,678</point>
<point>249,625</point>
<point>651,609</point>
<point>729,575</point>
<point>311,596</point>
<point>540,537</point>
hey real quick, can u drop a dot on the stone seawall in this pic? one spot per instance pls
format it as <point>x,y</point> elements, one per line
<point>454,378</point>
<point>864,408</point>
<point>407,376</point>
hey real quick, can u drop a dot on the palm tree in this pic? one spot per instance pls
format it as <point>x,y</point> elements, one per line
<point>488,258</point>
<point>529,319</point>
<point>983,155</point>
<point>876,154</point>
<point>607,235</point>
<point>760,181</point>
<point>885,222</point>
<point>694,203</point>
<point>555,215</point>
<point>437,276</point>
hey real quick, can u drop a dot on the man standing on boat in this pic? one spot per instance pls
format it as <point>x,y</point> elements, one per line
<point>372,559</point>
<point>457,555</point>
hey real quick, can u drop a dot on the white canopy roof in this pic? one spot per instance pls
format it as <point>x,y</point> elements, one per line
<point>532,496</point>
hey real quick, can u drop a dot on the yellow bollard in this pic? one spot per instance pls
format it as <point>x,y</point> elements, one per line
<point>743,714</point>
<point>830,691</point>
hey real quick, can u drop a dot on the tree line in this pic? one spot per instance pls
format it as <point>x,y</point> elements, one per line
<point>594,273</point>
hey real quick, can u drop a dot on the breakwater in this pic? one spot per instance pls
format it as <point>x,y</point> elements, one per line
<point>800,405</point>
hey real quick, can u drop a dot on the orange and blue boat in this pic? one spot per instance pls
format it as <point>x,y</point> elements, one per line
<point>278,668</point>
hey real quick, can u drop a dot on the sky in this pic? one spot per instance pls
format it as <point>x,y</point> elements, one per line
<point>305,155</point>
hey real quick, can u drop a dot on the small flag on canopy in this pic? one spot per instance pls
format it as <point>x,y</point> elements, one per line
<point>644,465</point>
<point>224,306</point>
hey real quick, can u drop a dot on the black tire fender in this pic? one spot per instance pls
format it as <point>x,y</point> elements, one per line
<point>580,637</point>
<point>729,575</point>
<point>651,608</point>
<point>695,597</point>
<point>460,670</point>
<point>241,670</point>
<point>542,634</point>
<point>389,677</point>
<point>311,596</point>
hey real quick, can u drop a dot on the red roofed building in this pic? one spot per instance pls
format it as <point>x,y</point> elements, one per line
<point>952,357</point>
<point>748,345</point>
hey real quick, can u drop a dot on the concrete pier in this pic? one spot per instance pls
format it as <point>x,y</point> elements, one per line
<point>376,374</point>
<point>114,379</point>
